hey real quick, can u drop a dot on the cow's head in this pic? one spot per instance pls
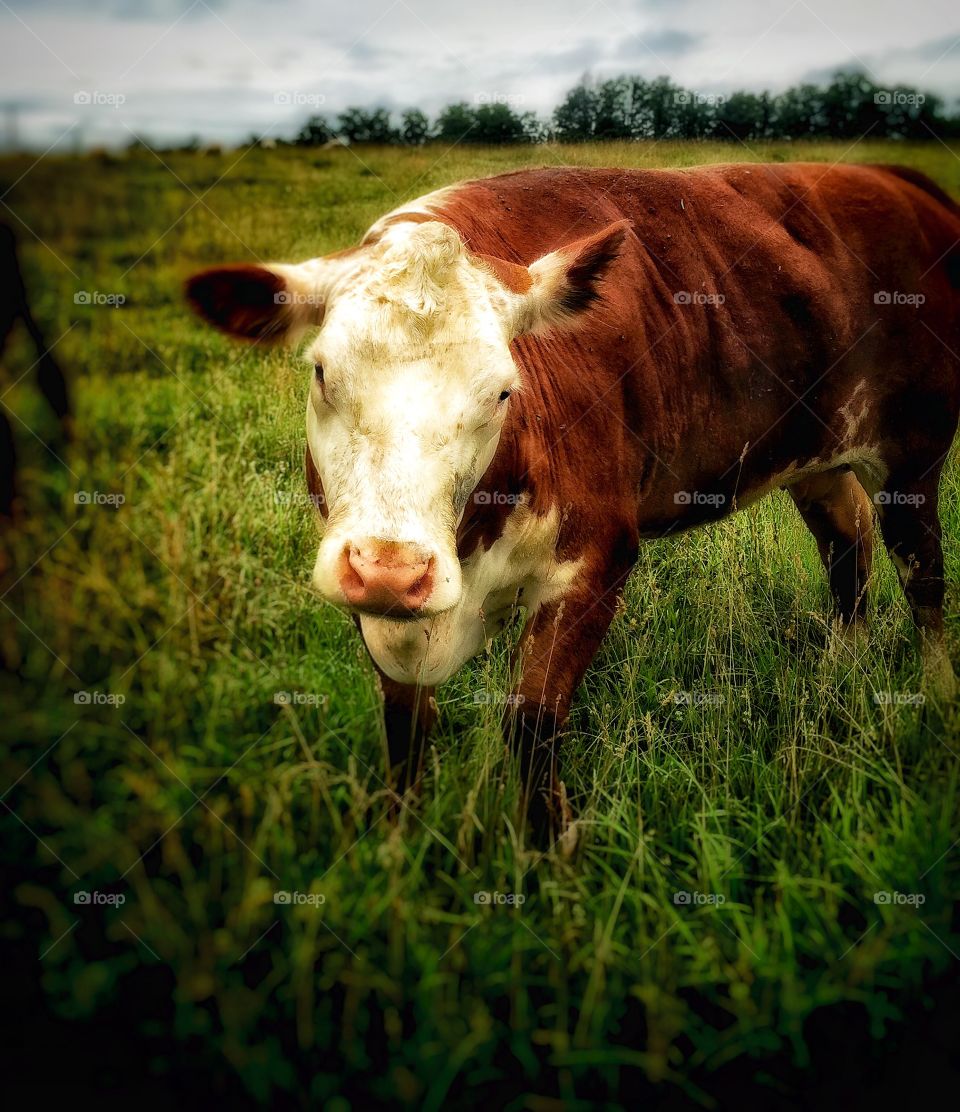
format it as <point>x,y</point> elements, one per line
<point>411,384</point>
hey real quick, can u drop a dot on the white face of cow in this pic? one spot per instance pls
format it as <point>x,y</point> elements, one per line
<point>411,384</point>
<point>412,381</point>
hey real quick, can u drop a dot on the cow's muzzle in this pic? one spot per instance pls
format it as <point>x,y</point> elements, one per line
<point>387,578</point>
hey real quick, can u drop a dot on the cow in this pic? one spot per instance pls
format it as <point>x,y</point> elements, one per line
<point>518,379</point>
<point>51,381</point>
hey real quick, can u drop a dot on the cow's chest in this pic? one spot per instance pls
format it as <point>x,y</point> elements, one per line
<point>519,571</point>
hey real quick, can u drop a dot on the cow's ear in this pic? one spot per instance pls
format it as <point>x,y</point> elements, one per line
<point>269,304</point>
<point>566,282</point>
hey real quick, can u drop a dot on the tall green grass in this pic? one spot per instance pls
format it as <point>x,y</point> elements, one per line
<point>725,743</point>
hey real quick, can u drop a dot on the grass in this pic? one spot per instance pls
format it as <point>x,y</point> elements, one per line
<point>782,791</point>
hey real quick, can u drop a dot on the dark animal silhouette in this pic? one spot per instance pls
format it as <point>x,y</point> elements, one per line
<point>50,378</point>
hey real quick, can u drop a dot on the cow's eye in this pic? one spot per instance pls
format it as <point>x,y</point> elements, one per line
<point>318,375</point>
<point>503,396</point>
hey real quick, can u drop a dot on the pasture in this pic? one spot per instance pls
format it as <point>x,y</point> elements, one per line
<point>767,865</point>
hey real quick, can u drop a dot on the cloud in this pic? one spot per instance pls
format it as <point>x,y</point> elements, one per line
<point>120,10</point>
<point>668,43</point>
<point>933,63</point>
<point>216,66</point>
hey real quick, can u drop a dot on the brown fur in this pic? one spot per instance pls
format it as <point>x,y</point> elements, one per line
<point>650,395</point>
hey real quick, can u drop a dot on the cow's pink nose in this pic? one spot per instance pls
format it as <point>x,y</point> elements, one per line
<point>386,577</point>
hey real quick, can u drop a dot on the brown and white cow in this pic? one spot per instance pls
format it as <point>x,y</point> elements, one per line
<point>517,379</point>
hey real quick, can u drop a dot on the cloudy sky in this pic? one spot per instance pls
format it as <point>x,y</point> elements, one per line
<point>98,71</point>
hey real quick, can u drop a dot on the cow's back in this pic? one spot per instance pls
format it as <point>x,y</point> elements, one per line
<point>745,288</point>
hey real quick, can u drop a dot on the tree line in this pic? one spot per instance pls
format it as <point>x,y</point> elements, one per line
<point>849,106</point>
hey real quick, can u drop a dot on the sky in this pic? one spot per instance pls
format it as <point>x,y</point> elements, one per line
<point>90,72</point>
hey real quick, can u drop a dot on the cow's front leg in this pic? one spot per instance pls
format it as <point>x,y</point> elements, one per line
<point>554,653</point>
<point>409,712</point>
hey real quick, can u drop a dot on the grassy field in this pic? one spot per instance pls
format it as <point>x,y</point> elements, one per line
<point>785,793</point>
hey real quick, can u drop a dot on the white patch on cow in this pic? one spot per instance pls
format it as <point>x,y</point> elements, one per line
<point>904,568</point>
<point>415,348</point>
<point>854,413</point>
<point>430,204</point>
<point>519,571</point>
<point>869,467</point>
<point>865,460</point>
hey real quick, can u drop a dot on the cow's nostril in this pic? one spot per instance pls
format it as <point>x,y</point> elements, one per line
<point>421,589</point>
<point>386,576</point>
<point>351,573</point>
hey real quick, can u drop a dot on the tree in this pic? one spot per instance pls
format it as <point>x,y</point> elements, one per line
<point>456,122</point>
<point>357,125</point>
<point>496,123</point>
<point>851,107</point>
<point>414,127</point>
<point>740,116</point>
<point>799,112</point>
<point>535,130</point>
<point>575,119</point>
<point>612,109</point>
<point>632,107</point>
<point>314,133</point>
